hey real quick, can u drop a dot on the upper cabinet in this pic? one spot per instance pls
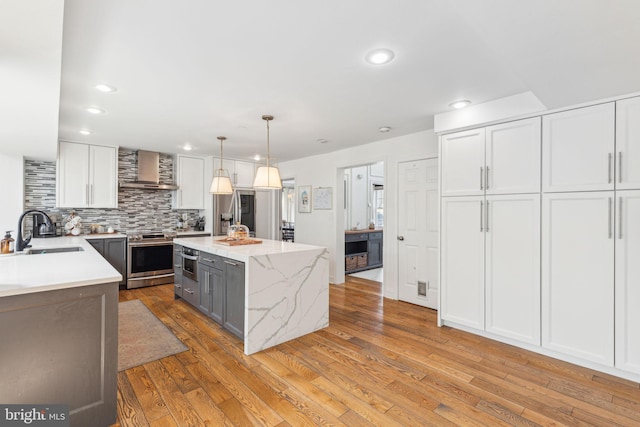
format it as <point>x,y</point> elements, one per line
<point>628,144</point>
<point>189,173</point>
<point>241,173</point>
<point>500,159</point>
<point>87,176</point>
<point>578,149</point>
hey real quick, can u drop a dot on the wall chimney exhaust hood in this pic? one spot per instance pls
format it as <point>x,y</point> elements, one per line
<point>148,173</point>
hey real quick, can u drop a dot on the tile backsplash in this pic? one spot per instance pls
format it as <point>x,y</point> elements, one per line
<point>138,209</point>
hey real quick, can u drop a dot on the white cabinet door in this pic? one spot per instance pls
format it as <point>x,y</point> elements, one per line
<point>72,175</point>
<point>628,281</point>
<point>628,143</point>
<point>513,157</point>
<point>462,261</point>
<point>244,174</point>
<point>463,170</point>
<point>190,180</point>
<point>512,258</point>
<point>103,177</point>
<point>578,275</point>
<point>578,149</point>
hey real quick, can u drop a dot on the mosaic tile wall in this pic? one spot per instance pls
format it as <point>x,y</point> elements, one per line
<point>137,209</point>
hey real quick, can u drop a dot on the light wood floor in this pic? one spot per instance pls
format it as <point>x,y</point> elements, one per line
<point>380,362</point>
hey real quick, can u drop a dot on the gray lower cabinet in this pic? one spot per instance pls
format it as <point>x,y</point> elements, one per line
<point>374,249</point>
<point>234,298</point>
<point>177,270</point>
<point>113,250</point>
<point>190,291</point>
<point>220,291</point>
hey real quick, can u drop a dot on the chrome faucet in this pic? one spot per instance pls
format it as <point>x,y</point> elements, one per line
<point>22,244</point>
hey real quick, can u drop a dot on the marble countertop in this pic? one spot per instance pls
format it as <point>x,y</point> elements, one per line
<point>243,252</point>
<point>23,274</point>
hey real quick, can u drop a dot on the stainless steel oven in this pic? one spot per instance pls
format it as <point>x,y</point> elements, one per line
<point>190,263</point>
<point>149,259</point>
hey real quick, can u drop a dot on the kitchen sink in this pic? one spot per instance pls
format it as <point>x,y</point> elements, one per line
<point>54,250</point>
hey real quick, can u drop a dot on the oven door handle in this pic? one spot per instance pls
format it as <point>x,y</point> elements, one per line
<point>192,258</point>
<point>142,244</point>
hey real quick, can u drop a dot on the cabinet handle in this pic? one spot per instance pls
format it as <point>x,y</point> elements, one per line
<point>486,178</point>
<point>620,218</point>
<point>206,283</point>
<point>208,259</point>
<point>91,192</point>
<point>189,291</point>
<point>486,219</point>
<point>177,265</point>
<point>87,193</point>
<point>610,202</point>
<point>609,168</point>
<point>230,263</point>
<point>481,210</point>
<point>481,174</point>
<point>619,166</point>
<point>178,286</point>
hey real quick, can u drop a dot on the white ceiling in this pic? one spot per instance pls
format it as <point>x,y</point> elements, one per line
<point>187,72</point>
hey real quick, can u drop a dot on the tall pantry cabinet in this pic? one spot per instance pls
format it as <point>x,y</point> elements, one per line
<point>554,266</point>
<point>490,214</point>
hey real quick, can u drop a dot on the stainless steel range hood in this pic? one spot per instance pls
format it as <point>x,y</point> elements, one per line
<point>148,173</point>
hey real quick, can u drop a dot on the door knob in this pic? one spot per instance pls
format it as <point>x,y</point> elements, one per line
<point>400,237</point>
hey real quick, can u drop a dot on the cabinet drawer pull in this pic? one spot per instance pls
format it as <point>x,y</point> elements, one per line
<point>177,265</point>
<point>610,209</point>
<point>620,218</point>
<point>189,291</point>
<point>230,263</point>
<point>208,259</point>
<point>619,166</point>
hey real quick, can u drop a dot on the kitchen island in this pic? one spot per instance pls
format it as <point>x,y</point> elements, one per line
<point>59,330</point>
<point>286,288</point>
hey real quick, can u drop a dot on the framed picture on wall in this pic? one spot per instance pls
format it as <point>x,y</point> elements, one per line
<point>323,198</point>
<point>304,198</point>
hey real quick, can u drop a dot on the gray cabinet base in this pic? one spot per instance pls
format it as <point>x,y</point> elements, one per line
<point>62,347</point>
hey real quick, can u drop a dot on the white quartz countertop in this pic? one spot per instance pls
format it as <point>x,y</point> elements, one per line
<point>23,274</point>
<point>243,252</point>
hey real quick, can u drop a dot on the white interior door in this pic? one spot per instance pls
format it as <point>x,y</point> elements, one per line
<point>418,232</point>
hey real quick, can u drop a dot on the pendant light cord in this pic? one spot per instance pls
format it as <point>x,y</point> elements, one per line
<point>268,149</point>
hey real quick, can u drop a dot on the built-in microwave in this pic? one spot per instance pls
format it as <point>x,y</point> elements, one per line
<point>190,263</point>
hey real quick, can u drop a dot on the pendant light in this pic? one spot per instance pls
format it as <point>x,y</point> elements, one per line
<point>221,183</point>
<point>268,177</point>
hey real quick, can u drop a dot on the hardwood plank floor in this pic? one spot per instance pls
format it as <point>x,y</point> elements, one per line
<point>380,362</point>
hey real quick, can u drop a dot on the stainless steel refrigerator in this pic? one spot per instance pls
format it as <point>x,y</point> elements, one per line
<point>259,210</point>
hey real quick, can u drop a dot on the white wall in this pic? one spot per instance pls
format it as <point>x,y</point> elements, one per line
<point>11,192</point>
<point>326,227</point>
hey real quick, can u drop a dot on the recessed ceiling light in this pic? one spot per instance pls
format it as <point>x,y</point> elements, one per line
<point>257,157</point>
<point>105,88</point>
<point>187,147</point>
<point>384,129</point>
<point>459,104</point>
<point>95,110</point>
<point>379,56</point>
<point>85,131</point>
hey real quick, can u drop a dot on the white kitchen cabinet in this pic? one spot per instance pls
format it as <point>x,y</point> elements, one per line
<point>189,173</point>
<point>463,163</point>
<point>87,176</point>
<point>462,261</point>
<point>578,149</point>
<point>244,174</point>
<point>627,290</point>
<point>628,144</point>
<point>513,157</point>
<point>578,275</point>
<point>240,172</point>
<point>500,159</point>
<point>512,263</point>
